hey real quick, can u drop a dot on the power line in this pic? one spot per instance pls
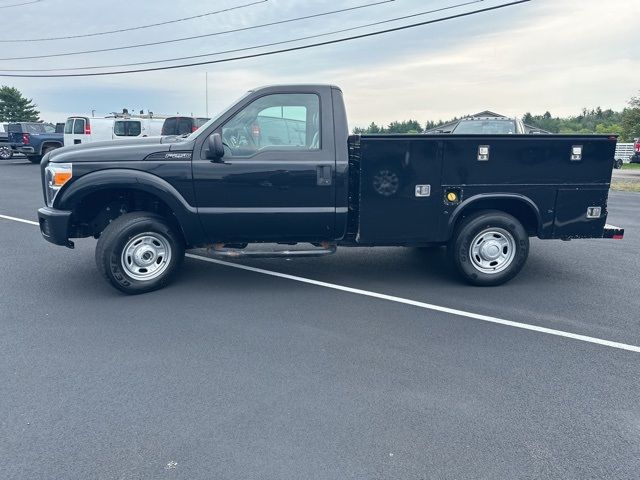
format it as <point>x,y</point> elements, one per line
<point>254,47</point>
<point>140,27</point>
<point>163,42</point>
<point>20,4</point>
<point>273,52</point>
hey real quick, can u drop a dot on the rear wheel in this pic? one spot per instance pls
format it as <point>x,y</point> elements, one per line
<point>139,252</point>
<point>48,149</point>
<point>5,152</point>
<point>618,163</point>
<point>34,158</point>
<point>489,248</point>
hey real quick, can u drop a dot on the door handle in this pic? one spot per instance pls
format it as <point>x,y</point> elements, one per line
<point>324,176</point>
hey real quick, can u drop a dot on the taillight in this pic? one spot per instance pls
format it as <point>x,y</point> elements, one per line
<point>255,130</point>
<point>637,146</point>
<point>26,138</point>
<point>193,128</point>
<point>87,127</point>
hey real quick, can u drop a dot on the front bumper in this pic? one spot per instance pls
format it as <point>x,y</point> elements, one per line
<point>54,226</point>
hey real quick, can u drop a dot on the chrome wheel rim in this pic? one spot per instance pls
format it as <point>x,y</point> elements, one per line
<point>492,250</point>
<point>146,256</point>
<point>386,183</point>
<point>5,151</point>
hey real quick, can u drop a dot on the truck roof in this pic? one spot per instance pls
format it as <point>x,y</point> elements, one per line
<point>503,119</point>
<point>296,86</point>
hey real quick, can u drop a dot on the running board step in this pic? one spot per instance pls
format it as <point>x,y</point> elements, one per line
<point>219,250</point>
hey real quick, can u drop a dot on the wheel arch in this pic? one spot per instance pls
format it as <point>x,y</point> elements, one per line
<point>93,192</point>
<point>520,206</point>
<point>49,143</point>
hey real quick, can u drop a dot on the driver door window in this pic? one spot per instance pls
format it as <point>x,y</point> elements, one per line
<point>279,122</point>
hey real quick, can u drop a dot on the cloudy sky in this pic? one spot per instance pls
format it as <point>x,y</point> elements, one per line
<point>557,55</point>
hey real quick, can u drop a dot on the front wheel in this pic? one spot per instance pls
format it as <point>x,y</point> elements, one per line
<point>139,252</point>
<point>618,163</point>
<point>35,158</point>
<point>489,248</point>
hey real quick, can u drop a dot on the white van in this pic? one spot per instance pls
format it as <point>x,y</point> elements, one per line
<point>85,130</point>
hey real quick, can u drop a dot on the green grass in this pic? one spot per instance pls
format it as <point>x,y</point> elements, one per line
<point>631,166</point>
<point>625,186</point>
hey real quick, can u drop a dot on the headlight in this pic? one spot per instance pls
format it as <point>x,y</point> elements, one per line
<point>56,175</point>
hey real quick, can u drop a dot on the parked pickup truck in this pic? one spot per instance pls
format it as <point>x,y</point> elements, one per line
<point>34,139</point>
<point>279,167</point>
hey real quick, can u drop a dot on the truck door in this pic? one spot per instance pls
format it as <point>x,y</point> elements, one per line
<point>276,179</point>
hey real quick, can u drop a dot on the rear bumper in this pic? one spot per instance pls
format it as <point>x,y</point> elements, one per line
<point>25,150</point>
<point>613,232</point>
<point>54,226</point>
<point>635,158</point>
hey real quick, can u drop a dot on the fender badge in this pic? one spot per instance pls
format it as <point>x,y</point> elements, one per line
<point>178,156</point>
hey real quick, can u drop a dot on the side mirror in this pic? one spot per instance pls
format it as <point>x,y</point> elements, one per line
<point>216,149</point>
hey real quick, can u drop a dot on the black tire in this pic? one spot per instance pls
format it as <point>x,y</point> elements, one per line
<point>502,234</point>
<point>48,149</point>
<point>6,152</point>
<point>618,163</point>
<point>123,233</point>
<point>35,158</point>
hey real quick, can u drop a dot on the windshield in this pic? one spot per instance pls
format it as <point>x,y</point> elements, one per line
<point>486,127</point>
<point>206,125</point>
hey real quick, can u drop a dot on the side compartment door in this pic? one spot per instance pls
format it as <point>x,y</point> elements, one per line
<point>276,180</point>
<point>401,195</point>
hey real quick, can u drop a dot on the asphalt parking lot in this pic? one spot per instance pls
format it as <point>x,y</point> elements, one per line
<point>231,373</point>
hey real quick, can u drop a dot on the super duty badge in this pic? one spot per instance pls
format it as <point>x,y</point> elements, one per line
<point>177,156</point>
<point>161,156</point>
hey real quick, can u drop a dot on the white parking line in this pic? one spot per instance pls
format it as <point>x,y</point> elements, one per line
<point>405,301</point>
<point>21,220</point>
<point>428,306</point>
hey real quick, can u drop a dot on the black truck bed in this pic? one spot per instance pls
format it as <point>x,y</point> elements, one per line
<point>543,179</point>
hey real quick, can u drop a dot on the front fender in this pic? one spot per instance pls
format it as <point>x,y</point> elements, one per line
<point>121,178</point>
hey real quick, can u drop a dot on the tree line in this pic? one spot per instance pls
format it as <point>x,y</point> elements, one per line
<point>626,123</point>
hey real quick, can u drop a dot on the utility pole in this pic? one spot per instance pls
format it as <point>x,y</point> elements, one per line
<point>206,91</point>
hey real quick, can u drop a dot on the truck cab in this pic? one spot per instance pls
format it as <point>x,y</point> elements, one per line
<point>278,177</point>
<point>279,167</point>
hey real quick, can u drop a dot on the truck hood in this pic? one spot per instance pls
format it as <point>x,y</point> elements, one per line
<point>135,149</point>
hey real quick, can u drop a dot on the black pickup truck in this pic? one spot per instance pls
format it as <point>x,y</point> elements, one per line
<point>279,167</point>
